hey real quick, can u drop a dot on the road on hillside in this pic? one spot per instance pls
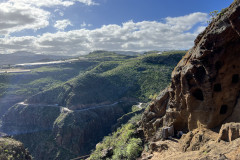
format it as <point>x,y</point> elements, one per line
<point>65,109</point>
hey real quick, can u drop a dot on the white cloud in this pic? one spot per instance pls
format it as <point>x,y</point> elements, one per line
<point>87,2</point>
<point>62,24</point>
<point>185,23</point>
<point>51,3</point>
<point>83,25</point>
<point>174,33</point>
<point>59,12</point>
<point>13,44</point>
<point>18,16</point>
<point>200,29</point>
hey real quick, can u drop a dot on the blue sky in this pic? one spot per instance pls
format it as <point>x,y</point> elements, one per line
<point>119,11</point>
<point>74,27</point>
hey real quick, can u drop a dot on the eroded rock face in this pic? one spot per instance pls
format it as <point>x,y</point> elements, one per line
<point>196,139</point>
<point>50,132</point>
<point>206,83</point>
<point>229,132</point>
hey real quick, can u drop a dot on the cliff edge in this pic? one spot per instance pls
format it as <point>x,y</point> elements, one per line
<point>204,94</point>
<point>205,84</point>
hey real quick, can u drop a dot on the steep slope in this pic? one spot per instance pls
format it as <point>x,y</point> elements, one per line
<point>67,120</point>
<point>205,84</point>
<point>203,95</point>
<point>135,79</point>
<point>16,87</point>
<point>125,143</point>
<point>11,149</point>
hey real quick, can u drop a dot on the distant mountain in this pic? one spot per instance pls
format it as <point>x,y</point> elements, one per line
<point>129,53</point>
<point>27,57</point>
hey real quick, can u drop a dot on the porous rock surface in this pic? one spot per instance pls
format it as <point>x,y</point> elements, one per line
<point>229,132</point>
<point>205,85</point>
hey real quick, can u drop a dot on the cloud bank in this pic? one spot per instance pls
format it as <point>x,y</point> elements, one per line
<point>20,16</point>
<point>167,34</point>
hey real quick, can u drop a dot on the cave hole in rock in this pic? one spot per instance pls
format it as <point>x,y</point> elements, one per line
<point>235,78</point>
<point>198,94</point>
<point>223,109</point>
<point>218,65</point>
<point>217,87</point>
<point>200,74</point>
<point>189,78</point>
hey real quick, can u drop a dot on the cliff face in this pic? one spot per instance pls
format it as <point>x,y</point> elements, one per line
<point>205,86</point>
<point>52,132</point>
<point>22,119</point>
<point>80,131</point>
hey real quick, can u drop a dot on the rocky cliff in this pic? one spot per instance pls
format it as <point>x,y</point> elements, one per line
<point>11,149</point>
<point>203,95</point>
<point>205,84</point>
<point>54,132</point>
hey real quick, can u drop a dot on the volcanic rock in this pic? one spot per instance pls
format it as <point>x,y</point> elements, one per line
<point>229,132</point>
<point>205,85</point>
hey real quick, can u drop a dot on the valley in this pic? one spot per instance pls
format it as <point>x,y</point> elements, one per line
<point>62,110</point>
<point>119,80</point>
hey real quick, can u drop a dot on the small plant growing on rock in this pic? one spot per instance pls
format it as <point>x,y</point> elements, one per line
<point>216,13</point>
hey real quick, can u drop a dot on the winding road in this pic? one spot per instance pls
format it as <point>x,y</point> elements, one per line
<point>65,109</point>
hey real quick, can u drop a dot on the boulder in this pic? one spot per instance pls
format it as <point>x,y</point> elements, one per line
<point>229,132</point>
<point>194,140</point>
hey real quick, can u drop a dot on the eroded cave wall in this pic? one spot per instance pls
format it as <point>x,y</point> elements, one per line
<point>206,83</point>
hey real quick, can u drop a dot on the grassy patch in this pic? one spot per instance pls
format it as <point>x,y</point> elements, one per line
<point>122,143</point>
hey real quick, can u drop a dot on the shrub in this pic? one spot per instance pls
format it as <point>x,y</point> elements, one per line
<point>134,148</point>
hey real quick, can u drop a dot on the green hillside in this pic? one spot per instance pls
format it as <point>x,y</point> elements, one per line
<point>115,77</point>
<point>70,107</point>
<point>11,149</point>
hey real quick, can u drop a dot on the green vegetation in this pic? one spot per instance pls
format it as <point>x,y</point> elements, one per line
<point>116,77</point>
<point>122,144</point>
<point>216,13</point>
<point>97,79</point>
<point>120,76</point>
<point>40,78</point>
<point>12,150</point>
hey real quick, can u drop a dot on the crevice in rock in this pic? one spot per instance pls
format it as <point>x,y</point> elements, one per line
<point>235,78</point>
<point>197,93</point>
<point>223,109</point>
<point>218,65</point>
<point>217,87</point>
<point>200,74</point>
<point>189,78</point>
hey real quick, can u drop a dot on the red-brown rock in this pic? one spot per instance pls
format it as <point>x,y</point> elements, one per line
<point>206,83</point>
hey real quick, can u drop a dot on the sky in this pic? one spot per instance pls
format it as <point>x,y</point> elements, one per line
<point>76,27</point>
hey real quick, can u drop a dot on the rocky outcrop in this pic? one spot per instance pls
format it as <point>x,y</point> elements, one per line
<point>196,139</point>
<point>12,149</point>
<point>197,150</point>
<point>23,118</point>
<point>229,132</point>
<point>206,83</point>
<point>55,132</point>
<point>8,101</point>
<point>79,131</point>
<point>199,144</point>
